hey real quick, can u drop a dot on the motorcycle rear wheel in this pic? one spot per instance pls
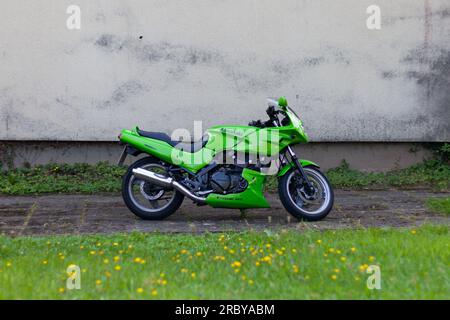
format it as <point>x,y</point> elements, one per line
<point>145,200</point>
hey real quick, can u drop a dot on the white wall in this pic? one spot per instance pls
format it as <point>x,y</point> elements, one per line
<point>217,60</point>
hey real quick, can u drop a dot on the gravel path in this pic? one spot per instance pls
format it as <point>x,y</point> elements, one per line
<point>76,214</point>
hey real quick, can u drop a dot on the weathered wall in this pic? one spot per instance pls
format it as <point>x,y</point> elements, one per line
<point>163,64</point>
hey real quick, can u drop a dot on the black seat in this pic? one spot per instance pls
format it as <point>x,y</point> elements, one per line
<point>188,146</point>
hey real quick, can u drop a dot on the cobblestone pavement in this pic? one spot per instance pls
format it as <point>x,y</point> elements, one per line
<point>76,214</point>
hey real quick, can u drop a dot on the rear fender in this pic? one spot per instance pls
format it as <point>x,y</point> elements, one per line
<point>303,162</point>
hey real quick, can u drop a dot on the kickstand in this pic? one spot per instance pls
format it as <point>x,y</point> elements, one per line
<point>243,213</point>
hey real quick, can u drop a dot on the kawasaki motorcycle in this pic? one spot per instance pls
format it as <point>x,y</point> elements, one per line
<point>227,168</point>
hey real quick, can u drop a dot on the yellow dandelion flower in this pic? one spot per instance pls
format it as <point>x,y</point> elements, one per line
<point>243,278</point>
<point>251,282</point>
<point>116,258</point>
<point>140,290</point>
<point>115,244</point>
<point>236,264</point>
<point>164,282</point>
<point>130,247</point>
<point>92,252</point>
<point>184,270</point>
<point>319,241</point>
<point>62,257</point>
<point>371,258</point>
<point>61,290</point>
<point>44,262</point>
<point>142,261</point>
<point>338,251</point>
<point>199,254</point>
<point>98,282</point>
<point>237,270</point>
<point>257,263</point>
<point>137,260</point>
<point>193,275</point>
<point>294,250</point>
<point>162,275</point>
<point>413,231</point>
<point>184,251</point>
<point>331,250</point>
<point>353,249</point>
<point>108,274</point>
<point>336,270</point>
<point>105,261</point>
<point>117,268</point>
<point>101,252</point>
<point>84,270</point>
<point>154,292</point>
<point>363,267</point>
<point>231,251</point>
<point>81,247</point>
<point>268,246</point>
<point>343,259</point>
<point>9,264</point>
<point>333,277</point>
<point>99,244</point>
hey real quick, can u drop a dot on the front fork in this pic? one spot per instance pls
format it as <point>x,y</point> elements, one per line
<point>309,188</point>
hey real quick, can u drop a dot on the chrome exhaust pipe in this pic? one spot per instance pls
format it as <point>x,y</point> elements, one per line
<point>166,182</point>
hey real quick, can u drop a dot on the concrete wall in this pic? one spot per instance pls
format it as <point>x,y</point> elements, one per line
<point>162,64</point>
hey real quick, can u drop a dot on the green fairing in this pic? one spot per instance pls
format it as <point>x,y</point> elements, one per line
<point>290,165</point>
<point>265,142</point>
<point>252,197</point>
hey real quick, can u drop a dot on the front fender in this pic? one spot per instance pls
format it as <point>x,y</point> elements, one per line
<point>290,165</point>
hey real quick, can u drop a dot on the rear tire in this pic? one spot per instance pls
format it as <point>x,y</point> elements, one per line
<point>295,205</point>
<point>139,209</point>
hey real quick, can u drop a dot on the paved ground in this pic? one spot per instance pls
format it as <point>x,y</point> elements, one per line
<point>73,214</point>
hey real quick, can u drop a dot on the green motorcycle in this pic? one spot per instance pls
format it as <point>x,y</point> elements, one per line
<point>227,168</point>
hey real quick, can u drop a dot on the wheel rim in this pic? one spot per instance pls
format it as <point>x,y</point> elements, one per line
<point>147,196</point>
<point>311,205</point>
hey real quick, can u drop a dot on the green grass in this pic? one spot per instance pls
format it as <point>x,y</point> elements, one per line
<point>439,205</point>
<point>62,178</point>
<point>292,265</point>
<point>432,173</point>
<point>84,178</point>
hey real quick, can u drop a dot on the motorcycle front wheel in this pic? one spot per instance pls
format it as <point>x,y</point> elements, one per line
<point>301,204</point>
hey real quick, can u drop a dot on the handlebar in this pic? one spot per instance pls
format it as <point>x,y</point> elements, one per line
<point>273,119</point>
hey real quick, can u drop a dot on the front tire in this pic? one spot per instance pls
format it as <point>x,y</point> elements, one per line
<point>301,205</point>
<point>148,201</point>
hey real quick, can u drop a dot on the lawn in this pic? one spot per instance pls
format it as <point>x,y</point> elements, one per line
<point>441,205</point>
<point>102,177</point>
<point>249,265</point>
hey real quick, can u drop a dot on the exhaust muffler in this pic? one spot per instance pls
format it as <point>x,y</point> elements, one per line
<point>166,182</point>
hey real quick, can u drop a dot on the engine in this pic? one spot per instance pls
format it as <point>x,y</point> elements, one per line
<point>227,180</point>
